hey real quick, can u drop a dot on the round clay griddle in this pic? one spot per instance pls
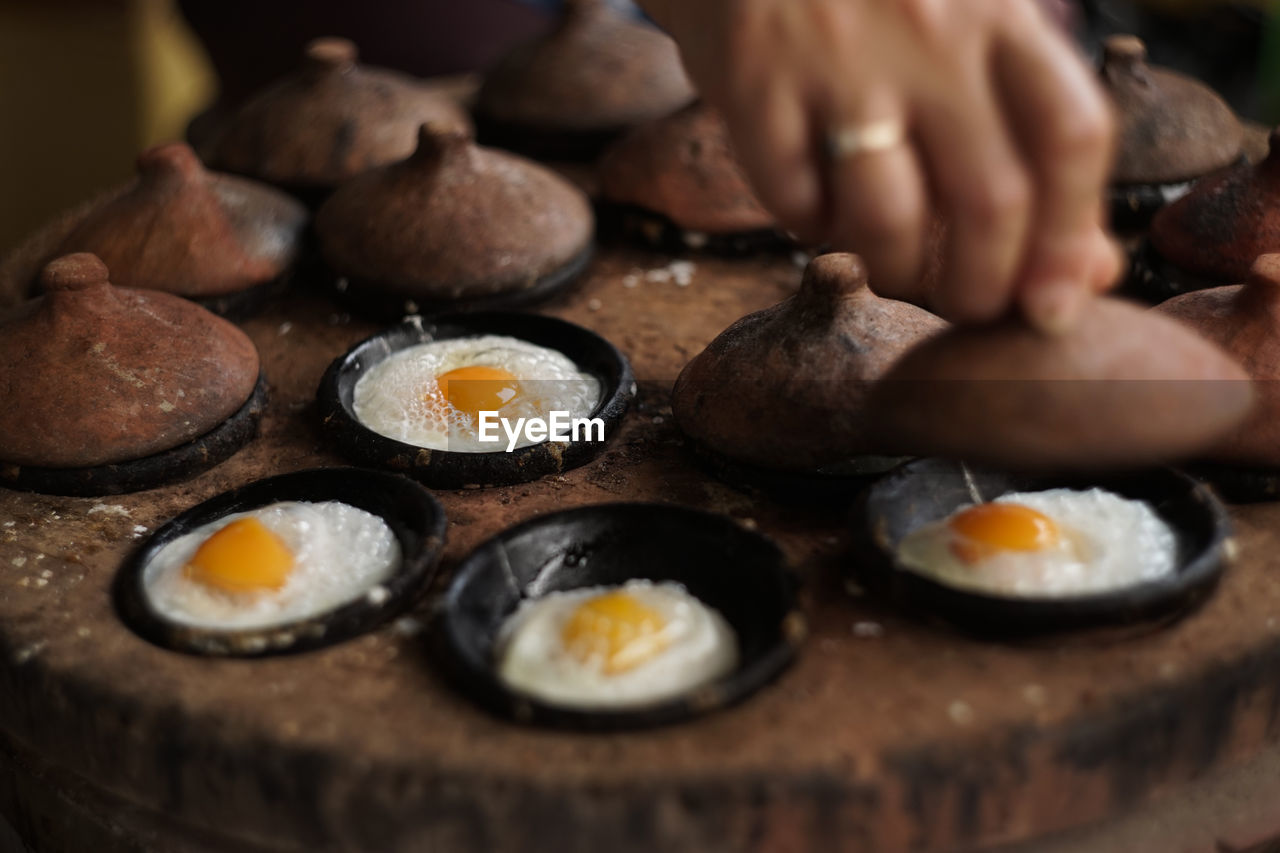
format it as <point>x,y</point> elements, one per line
<point>889,733</point>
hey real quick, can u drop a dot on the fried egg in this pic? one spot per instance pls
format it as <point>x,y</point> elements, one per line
<point>1059,542</point>
<point>272,565</point>
<point>614,647</point>
<point>430,395</point>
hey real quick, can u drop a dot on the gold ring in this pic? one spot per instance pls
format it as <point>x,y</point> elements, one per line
<point>855,139</point>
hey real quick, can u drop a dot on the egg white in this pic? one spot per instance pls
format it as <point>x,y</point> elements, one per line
<point>399,397</point>
<point>1108,542</point>
<point>341,553</point>
<point>701,647</point>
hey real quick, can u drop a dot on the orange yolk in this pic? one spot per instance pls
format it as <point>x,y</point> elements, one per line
<point>244,556</point>
<point>986,529</point>
<point>615,629</point>
<point>472,390</point>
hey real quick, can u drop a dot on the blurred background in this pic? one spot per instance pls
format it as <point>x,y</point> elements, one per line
<point>87,84</point>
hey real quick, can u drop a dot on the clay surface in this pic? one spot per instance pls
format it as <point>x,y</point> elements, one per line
<point>889,734</point>
<point>454,221</point>
<point>682,167</point>
<point>94,374</point>
<point>331,119</point>
<point>787,387</point>
<point>1123,389</point>
<point>1170,127</point>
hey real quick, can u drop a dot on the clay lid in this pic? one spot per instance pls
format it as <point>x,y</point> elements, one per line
<point>93,374</point>
<point>1125,388</point>
<point>184,230</point>
<point>329,120</point>
<point>1244,320</point>
<point>682,166</point>
<point>1217,230</point>
<point>454,221</point>
<point>597,70</point>
<point>787,387</point>
<point>1170,127</point>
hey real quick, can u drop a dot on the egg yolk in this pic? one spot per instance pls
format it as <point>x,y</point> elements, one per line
<point>472,390</point>
<point>243,556</point>
<point>989,528</point>
<point>615,629</point>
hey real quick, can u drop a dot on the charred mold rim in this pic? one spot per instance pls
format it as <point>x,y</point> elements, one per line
<point>1238,484</point>
<point>168,466</point>
<point>607,544</point>
<point>1133,205</point>
<point>633,224</point>
<point>1155,279</point>
<point>544,142</point>
<point>838,483</point>
<point>374,300</point>
<point>929,489</point>
<point>243,304</point>
<point>413,514</point>
<point>455,470</point>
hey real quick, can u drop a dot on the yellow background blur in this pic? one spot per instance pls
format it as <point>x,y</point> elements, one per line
<point>85,86</point>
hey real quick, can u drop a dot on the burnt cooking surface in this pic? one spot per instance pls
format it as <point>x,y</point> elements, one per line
<point>887,732</point>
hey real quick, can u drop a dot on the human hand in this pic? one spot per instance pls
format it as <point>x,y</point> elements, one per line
<point>978,112</point>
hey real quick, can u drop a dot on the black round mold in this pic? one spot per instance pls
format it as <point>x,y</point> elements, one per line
<point>443,469</point>
<point>839,483</point>
<point>738,572</point>
<point>1154,279</point>
<point>412,513</point>
<point>168,466</point>
<point>1239,484</point>
<point>245,303</point>
<point>927,490</point>
<point>545,143</point>
<point>1133,205</point>
<point>374,300</point>
<point>634,224</point>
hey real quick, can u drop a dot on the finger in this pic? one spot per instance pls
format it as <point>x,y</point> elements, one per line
<point>1063,126</point>
<point>773,140</point>
<point>878,204</point>
<point>983,191</point>
<point>1111,263</point>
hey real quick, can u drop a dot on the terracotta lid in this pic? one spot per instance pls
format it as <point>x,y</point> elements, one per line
<point>1244,320</point>
<point>93,374</point>
<point>454,221</point>
<point>597,70</point>
<point>787,387</point>
<point>329,120</point>
<point>1170,127</point>
<point>184,230</point>
<point>1125,388</point>
<point>682,167</point>
<point>1217,230</point>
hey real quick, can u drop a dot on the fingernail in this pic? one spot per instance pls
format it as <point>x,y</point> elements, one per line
<point>1054,307</point>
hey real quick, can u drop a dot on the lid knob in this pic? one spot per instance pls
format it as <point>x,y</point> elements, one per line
<point>437,141</point>
<point>80,271</point>
<point>828,280</point>
<point>581,8</point>
<point>1124,50</point>
<point>835,273</point>
<point>1265,272</point>
<point>330,54</point>
<point>170,158</point>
